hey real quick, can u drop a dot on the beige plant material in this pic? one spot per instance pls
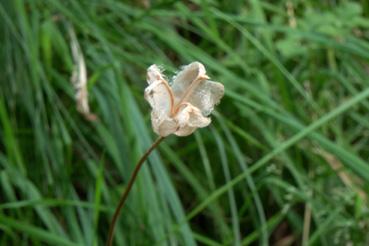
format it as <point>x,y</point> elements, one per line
<point>183,106</point>
<point>291,14</point>
<point>145,3</point>
<point>79,78</point>
<point>345,177</point>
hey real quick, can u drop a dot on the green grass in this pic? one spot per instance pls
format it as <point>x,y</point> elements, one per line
<point>285,161</point>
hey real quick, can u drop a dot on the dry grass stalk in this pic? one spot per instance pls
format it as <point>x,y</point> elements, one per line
<point>291,14</point>
<point>79,78</point>
<point>345,177</point>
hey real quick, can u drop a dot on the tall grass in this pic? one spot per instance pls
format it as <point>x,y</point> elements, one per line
<point>284,162</point>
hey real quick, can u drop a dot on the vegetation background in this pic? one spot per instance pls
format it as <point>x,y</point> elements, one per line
<point>285,161</point>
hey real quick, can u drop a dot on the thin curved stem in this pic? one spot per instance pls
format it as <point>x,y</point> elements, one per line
<point>128,189</point>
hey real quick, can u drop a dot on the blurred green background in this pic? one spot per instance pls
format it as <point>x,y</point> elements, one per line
<point>285,161</point>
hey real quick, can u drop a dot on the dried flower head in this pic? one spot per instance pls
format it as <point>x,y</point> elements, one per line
<point>183,106</point>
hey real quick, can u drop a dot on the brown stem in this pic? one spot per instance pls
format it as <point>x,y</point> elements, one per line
<point>128,189</point>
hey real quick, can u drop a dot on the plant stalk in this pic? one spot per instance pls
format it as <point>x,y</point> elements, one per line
<point>128,189</point>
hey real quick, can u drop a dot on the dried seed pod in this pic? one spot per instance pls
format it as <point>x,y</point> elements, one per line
<point>184,106</point>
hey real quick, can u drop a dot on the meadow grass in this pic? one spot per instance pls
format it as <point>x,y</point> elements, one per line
<point>285,161</point>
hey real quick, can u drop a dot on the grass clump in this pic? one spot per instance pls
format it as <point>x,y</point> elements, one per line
<point>284,162</point>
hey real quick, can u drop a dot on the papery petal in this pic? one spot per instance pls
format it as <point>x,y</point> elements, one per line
<point>154,74</point>
<point>206,95</point>
<point>185,131</point>
<point>189,119</point>
<point>183,80</point>
<point>162,124</point>
<point>197,119</point>
<point>160,97</point>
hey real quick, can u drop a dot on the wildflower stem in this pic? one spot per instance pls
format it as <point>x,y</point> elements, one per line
<point>128,189</point>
